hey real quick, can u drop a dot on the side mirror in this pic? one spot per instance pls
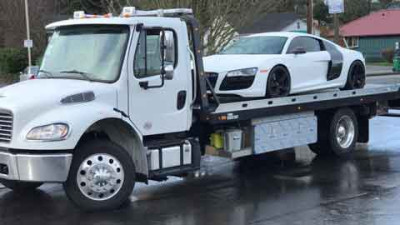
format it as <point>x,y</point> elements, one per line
<point>169,43</point>
<point>169,72</point>
<point>299,51</point>
<point>167,54</point>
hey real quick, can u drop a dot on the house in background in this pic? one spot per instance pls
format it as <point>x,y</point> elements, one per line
<point>276,22</point>
<point>373,33</point>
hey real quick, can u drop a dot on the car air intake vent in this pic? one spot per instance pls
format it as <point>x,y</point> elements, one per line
<point>6,124</point>
<point>212,77</point>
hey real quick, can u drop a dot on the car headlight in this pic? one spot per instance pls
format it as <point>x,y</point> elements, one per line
<point>243,72</point>
<point>52,132</point>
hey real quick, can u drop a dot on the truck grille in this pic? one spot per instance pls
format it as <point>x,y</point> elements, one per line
<point>6,125</point>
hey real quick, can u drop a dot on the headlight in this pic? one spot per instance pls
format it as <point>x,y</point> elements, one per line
<point>52,132</point>
<point>243,72</point>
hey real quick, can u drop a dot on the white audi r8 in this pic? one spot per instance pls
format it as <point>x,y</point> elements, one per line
<point>283,63</point>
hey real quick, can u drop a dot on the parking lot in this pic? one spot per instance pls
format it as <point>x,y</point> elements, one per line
<point>294,187</point>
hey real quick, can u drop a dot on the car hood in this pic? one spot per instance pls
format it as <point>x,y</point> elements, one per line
<point>224,63</point>
<point>47,92</point>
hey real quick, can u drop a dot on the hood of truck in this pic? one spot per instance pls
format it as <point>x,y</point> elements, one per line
<point>225,63</point>
<point>47,92</point>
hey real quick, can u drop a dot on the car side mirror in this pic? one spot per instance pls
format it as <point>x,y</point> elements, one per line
<point>299,51</point>
<point>169,72</point>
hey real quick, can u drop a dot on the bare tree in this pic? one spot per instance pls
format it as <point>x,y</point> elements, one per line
<point>219,19</point>
<point>100,6</point>
<point>14,22</point>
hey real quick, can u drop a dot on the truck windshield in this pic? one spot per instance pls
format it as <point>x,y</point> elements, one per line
<point>256,46</point>
<point>92,53</point>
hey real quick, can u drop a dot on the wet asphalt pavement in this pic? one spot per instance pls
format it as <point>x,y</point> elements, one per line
<point>294,188</point>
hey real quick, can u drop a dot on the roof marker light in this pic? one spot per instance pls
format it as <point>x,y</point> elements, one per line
<point>82,15</point>
<point>132,12</point>
<point>79,14</point>
<point>128,11</point>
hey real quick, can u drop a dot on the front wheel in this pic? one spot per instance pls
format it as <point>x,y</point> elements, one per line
<point>102,176</point>
<point>278,84</point>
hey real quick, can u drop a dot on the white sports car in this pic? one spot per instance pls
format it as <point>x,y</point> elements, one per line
<point>283,63</point>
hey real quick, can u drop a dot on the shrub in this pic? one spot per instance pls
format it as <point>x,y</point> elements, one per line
<point>388,54</point>
<point>12,60</point>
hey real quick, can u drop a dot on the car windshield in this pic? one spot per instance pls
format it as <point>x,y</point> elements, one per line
<point>256,45</point>
<point>85,52</point>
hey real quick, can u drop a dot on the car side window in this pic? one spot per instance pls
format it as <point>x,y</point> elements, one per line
<point>148,53</point>
<point>330,47</point>
<point>309,44</point>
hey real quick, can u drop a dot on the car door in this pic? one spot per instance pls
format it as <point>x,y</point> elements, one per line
<point>164,107</point>
<point>308,63</point>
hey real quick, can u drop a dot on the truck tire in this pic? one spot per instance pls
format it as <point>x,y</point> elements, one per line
<point>101,177</point>
<point>337,134</point>
<point>20,186</point>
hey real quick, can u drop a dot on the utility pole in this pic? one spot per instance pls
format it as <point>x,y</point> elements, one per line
<point>28,36</point>
<point>310,16</point>
<point>336,25</point>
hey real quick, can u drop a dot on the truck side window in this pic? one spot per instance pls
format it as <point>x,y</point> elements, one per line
<point>148,54</point>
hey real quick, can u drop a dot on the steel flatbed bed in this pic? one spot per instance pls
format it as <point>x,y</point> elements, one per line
<point>324,100</point>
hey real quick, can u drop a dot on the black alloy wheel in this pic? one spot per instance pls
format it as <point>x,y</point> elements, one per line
<point>278,84</point>
<point>356,78</point>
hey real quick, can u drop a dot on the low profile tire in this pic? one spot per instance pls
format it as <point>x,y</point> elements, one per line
<point>102,176</point>
<point>278,84</point>
<point>20,186</point>
<point>356,77</point>
<point>337,133</point>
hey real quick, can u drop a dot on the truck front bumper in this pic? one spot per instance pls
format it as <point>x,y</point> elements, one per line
<point>35,167</point>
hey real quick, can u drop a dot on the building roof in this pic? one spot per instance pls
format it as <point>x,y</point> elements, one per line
<point>269,23</point>
<point>380,23</point>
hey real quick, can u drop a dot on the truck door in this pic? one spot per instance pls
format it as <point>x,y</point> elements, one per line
<point>164,106</point>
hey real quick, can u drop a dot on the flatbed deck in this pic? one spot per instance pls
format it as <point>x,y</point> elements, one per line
<point>246,110</point>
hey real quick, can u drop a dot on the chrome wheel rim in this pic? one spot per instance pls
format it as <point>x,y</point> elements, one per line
<point>345,132</point>
<point>100,177</point>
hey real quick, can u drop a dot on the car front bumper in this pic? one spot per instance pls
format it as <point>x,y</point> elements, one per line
<point>35,167</point>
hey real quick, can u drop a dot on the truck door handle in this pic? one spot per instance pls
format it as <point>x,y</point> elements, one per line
<point>181,100</point>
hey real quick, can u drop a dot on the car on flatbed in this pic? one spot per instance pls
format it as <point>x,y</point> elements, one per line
<point>279,64</point>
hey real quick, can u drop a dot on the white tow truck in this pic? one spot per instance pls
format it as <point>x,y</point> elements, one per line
<point>121,100</point>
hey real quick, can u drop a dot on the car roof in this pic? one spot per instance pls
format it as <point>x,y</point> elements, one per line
<point>283,34</point>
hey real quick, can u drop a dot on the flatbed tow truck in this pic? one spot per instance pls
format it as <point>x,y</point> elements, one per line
<point>99,136</point>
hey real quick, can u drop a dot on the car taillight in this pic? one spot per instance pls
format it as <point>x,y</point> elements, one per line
<point>31,77</point>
